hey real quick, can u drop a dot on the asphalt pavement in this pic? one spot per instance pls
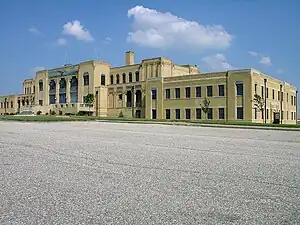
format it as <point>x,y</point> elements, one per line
<point>119,173</point>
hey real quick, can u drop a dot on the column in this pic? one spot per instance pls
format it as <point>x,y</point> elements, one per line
<point>68,89</point>
<point>57,91</point>
<point>124,99</point>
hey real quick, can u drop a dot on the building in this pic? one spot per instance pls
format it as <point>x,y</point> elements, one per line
<point>156,88</point>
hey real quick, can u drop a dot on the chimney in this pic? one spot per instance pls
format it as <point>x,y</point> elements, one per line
<point>129,58</point>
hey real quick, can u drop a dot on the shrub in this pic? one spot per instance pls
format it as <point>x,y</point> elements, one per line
<point>39,112</point>
<point>46,114</point>
<point>121,114</point>
<point>52,112</point>
<point>60,112</point>
<point>82,113</point>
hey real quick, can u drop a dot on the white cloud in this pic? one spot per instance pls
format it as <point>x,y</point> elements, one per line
<point>107,40</point>
<point>253,53</point>
<point>36,69</point>
<point>61,41</point>
<point>34,30</point>
<point>265,60</point>
<point>163,30</point>
<point>77,30</point>
<point>217,62</point>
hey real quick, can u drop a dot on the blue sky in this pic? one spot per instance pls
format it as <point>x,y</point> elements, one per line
<point>262,34</point>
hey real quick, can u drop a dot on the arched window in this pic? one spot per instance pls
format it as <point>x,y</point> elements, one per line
<point>130,77</point>
<point>111,79</point>
<point>124,78</point>
<point>102,79</point>
<point>137,76</point>
<point>118,78</point>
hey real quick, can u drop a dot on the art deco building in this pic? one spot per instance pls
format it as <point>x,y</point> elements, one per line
<point>155,88</point>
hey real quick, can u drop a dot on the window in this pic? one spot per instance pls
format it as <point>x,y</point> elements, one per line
<point>111,79</point>
<point>86,80</point>
<point>137,76</point>
<point>41,102</point>
<point>154,114</point>
<point>221,114</point>
<point>292,103</point>
<point>130,77</point>
<point>11,104</point>
<point>239,89</point>
<point>198,92</point>
<point>292,116</point>
<point>273,94</point>
<point>255,88</point>
<point>124,78</point>
<point>267,94</point>
<point>240,113</point>
<point>267,114</point>
<point>282,116</point>
<point>221,90</point>
<point>168,114</point>
<point>262,114</point>
<point>177,92</point>
<point>262,92</point>
<point>187,92</point>
<point>153,94</point>
<point>198,114</point>
<point>278,95</point>
<point>287,115</point>
<point>117,78</point>
<point>168,94</point>
<point>295,100</point>
<point>102,79</point>
<point>41,86</point>
<point>33,89</point>
<point>281,96</point>
<point>188,114</point>
<point>209,91</point>
<point>120,96</point>
<point>255,113</point>
<point>177,114</point>
<point>287,97</point>
<point>210,114</point>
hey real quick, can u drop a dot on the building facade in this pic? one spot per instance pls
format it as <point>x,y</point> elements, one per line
<point>156,88</point>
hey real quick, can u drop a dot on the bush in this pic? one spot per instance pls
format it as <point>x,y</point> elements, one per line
<point>60,112</point>
<point>11,114</point>
<point>39,112</point>
<point>82,113</point>
<point>121,114</point>
<point>52,112</point>
<point>46,114</point>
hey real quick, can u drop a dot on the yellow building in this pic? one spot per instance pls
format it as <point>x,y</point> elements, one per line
<point>156,88</point>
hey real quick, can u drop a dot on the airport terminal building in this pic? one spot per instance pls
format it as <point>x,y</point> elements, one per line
<point>155,88</point>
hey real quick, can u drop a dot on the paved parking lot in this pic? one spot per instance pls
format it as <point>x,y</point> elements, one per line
<point>107,173</point>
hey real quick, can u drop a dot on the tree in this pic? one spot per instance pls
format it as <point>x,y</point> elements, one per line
<point>89,99</point>
<point>258,102</point>
<point>205,106</point>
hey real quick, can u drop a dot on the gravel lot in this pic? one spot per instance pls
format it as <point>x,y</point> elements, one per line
<point>117,173</point>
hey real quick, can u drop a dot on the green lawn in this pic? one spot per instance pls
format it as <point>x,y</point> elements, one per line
<point>90,118</point>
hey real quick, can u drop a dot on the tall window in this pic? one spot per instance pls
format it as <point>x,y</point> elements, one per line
<point>209,91</point>
<point>221,90</point>
<point>240,113</point>
<point>117,78</point>
<point>130,77</point>
<point>198,113</point>
<point>221,113</point>
<point>154,114</point>
<point>262,92</point>
<point>86,80</point>
<point>177,92</point>
<point>255,88</point>
<point>267,93</point>
<point>273,94</point>
<point>137,76</point>
<point>41,85</point>
<point>287,97</point>
<point>177,114</point>
<point>124,78</point>
<point>102,79</point>
<point>168,114</point>
<point>292,103</point>
<point>210,114</point>
<point>188,114</point>
<point>267,114</point>
<point>239,89</point>
<point>111,79</point>
<point>154,93</point>
<point>278,95</point>
<point>198,92</point>
<point>255,113</point>
<point>168,93</point>
<point>187,92</point>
